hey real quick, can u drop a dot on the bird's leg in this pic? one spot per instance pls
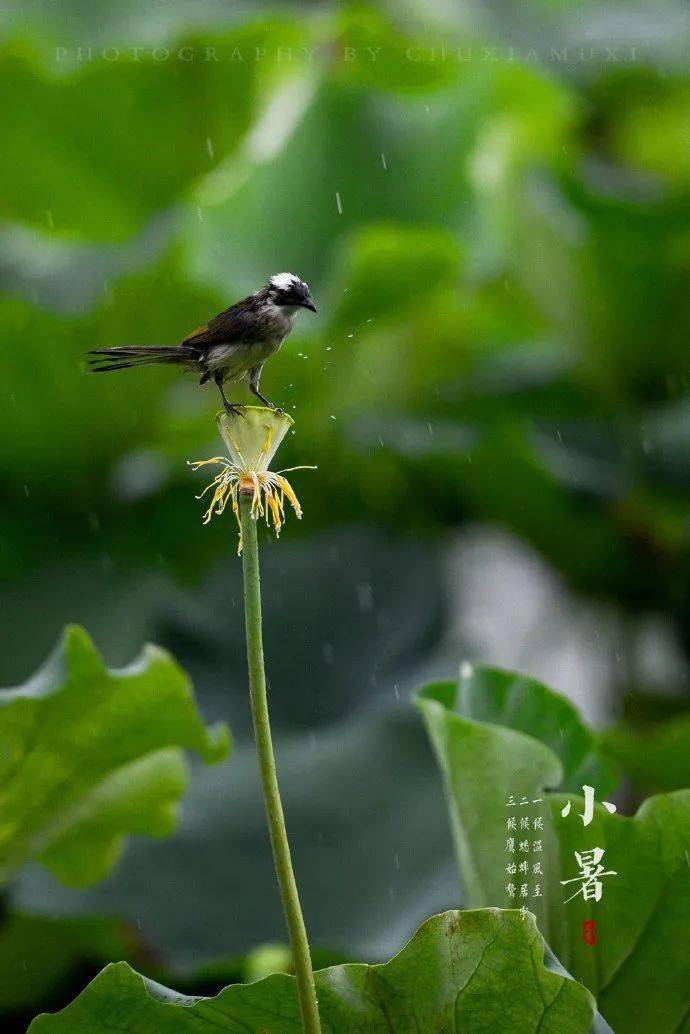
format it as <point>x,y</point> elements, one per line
<point>266,402</point>
<point>254,375</point>
<point>231,407</point>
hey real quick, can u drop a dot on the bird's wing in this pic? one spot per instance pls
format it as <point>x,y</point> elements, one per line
<point>229,325</point>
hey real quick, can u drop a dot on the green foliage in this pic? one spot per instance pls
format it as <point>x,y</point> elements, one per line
<point>521,703</point>
<point>149,122</point>
<point>37,954</point>
<point>91,756</point>
<point>504,316</point>
<point>41,957</point>
<point>393,269</point>
<point>497,734</point>
<point>462,970</point>
<point>654,752</point>
<point>495,271</point>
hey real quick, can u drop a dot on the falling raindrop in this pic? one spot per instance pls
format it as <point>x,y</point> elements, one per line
<point>365,597</point>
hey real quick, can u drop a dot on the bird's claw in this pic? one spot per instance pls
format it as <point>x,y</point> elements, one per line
<point>234,408</point>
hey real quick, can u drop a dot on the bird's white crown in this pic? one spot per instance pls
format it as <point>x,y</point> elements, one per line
<point>283,281</point>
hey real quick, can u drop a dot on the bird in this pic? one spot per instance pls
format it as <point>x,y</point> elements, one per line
<point>231,346</point>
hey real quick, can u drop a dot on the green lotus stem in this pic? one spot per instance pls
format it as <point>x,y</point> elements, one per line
<point>269,780</point>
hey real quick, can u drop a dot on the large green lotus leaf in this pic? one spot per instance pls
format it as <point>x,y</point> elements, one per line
<point>636,972</point>
<point>482,766</point>
<point>44,961</point>
<point>107,142</point>
<point>477,971</point>
<point>643,909</point>
<point>90,756</point>
<point>518,702</point>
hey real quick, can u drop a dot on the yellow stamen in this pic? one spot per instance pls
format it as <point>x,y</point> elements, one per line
<point>268,490</point>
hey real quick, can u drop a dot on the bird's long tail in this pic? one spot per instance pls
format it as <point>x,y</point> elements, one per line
<point>124,356</point>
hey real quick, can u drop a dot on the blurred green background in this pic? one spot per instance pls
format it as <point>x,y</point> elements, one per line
<point>491,204</point>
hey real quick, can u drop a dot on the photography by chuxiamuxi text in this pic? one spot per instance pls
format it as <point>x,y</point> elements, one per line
<point>347,620</point>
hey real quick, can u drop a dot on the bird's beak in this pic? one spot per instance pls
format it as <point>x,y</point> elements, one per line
<point>309,304</point>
